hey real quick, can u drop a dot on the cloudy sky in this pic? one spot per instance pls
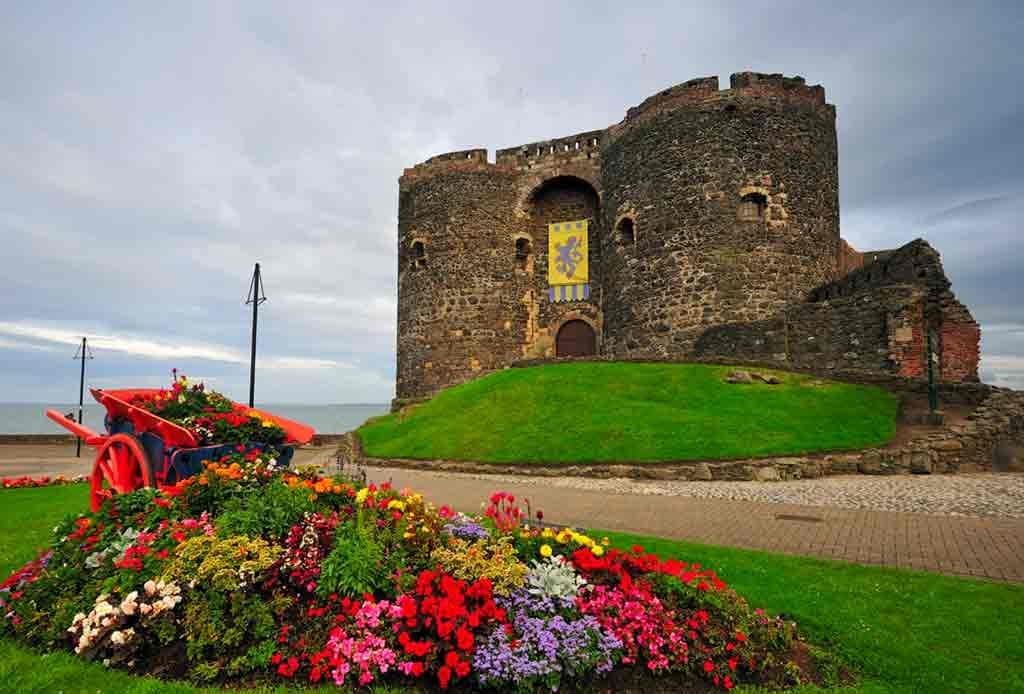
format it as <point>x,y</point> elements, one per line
<point>150,153</point>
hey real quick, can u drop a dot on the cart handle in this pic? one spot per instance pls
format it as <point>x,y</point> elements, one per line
<point>79,430</point>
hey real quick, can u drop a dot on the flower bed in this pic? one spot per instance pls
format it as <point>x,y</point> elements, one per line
<point>249,573</point>
<point>211,417</point>
<point>44,481</point>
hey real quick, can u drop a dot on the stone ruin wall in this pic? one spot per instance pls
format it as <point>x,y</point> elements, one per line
<point>697,281</point>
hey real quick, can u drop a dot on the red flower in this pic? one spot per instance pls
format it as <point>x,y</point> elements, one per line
<point>708,666</point>
<point>464,639</point>
<point>444,676</point>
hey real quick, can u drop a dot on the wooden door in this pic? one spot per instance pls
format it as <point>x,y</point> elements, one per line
<point>576,339</point>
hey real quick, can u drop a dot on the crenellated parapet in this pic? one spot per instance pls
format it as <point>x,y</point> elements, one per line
<point>581,147</point>
<point>463,160</point>
<point>744,87</point>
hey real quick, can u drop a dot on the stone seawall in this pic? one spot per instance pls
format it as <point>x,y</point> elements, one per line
<point>989,439</point>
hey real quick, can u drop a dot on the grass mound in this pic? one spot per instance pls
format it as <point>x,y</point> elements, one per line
<point>605,412</point>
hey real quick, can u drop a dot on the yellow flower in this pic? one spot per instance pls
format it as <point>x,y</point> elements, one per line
<point>267,423</point>
<point>361,495</point>
<point>395,503</point>
<point>605,541</point>
<point>598,550</point>
<point>548,532</point>
<point>545,550</point>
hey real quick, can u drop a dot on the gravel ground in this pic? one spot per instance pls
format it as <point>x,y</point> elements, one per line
<point>983,495</point>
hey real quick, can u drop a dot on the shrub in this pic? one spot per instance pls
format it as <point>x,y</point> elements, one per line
<point>356,563</point>
<point>229,627</point>
<point>494,560</point>
<point>224,565</point>
<point>270,511</point>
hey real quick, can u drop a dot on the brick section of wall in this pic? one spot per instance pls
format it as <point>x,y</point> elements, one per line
<point>960,349</point>
<point>850,259</point>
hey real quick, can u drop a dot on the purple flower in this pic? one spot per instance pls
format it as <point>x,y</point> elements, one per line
<point>465,529</point>
<point>550,640</point>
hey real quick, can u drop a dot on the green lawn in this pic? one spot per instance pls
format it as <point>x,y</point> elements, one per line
<point>901,631</point>
<point>603,412</point>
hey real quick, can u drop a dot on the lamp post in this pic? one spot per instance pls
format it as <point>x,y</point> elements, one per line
<point>82,353</point>
<point>256,297</point>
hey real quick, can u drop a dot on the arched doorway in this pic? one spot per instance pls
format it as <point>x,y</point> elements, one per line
<point>576,339</point>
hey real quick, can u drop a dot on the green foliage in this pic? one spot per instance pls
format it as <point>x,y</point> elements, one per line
<point>592,412</point>
<point>269,511</point>
<point>225,565</point>
<point>230,633</point>
<point>493,559</point>
<point>356,563</point>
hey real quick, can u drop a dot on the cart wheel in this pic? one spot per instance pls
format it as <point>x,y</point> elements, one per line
<point>123,466</point>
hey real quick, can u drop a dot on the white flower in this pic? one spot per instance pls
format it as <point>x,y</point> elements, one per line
<point>150,587</point>
<point>144,608</point>
<point>117,638</point>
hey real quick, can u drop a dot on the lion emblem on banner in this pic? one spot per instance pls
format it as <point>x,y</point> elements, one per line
<point>569,256</point>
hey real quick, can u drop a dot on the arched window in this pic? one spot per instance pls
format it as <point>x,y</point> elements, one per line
<point>625,232</point>
<point>752,207</point>
<point>523,250</point>
<point>418,258</point>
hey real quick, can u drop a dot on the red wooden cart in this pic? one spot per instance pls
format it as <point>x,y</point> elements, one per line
<point>141,449</point>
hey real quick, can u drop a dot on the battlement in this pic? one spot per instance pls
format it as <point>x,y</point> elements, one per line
<point>464,160</point>
<point>585,148</point>
<point>584,145</point>
<point>742,85</point>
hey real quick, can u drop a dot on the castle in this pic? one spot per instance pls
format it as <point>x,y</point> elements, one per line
<point>711,224</point>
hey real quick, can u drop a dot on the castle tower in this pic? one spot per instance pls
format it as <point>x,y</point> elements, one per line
<point>722,207</point>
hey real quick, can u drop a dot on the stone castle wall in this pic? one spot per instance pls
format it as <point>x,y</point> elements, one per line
<point>730,200</point>
<point>680,166</point>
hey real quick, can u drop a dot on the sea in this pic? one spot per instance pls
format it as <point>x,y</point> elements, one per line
<point>29,418</point>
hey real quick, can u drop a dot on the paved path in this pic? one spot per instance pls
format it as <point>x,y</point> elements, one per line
<point>846,518</point>
<point>970,546</point>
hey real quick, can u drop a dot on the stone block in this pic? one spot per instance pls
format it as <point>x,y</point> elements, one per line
<point>870,463</point>
<point>701,471</point>
<point>920,463</point>
<point>766,473</point>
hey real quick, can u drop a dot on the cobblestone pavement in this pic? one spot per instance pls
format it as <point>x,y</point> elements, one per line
<point>983,495</point>
<point>967,525</point>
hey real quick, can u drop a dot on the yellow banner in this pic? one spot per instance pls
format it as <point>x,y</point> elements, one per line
<point>567,253</point>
